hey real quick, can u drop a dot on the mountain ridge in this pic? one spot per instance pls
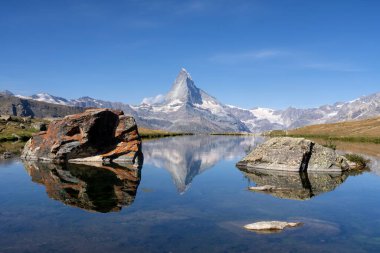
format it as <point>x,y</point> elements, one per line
<point>188,108</point>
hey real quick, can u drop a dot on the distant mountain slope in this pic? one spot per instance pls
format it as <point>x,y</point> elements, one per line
<point>186,108</point>
<point>44,97</point>
<point>263,119</point>
<point>16,106</point>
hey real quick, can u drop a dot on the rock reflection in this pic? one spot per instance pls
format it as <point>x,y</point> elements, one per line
<point>294,185</point>
<point>186,157</point>
<point>101,188</point>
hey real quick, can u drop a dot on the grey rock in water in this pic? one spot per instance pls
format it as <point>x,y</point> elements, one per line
<point>271,225</point>
<point>294,154</point>
<point>263,188</point>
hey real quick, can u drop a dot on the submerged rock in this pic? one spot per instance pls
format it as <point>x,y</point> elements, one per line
<point>294,154</point>
<point>271,225</point>
<point>94,135</point>
<point>263,188</point>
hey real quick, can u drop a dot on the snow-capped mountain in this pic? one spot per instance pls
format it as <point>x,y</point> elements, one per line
<point>45,97</point>
<point>187,108</point>
<point>263,119</point>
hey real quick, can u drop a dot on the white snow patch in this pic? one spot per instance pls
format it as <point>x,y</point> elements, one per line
<point>23,97</point>
<point>44,97</point>
<point>236,107</point>
<point>268,114</point>
<point>332,114</point>
<point>213,107</point>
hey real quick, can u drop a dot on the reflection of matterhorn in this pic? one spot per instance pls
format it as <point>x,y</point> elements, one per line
<point>186,157</point>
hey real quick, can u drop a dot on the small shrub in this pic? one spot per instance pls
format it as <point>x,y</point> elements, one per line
<point>330,144</point>
<point>361,162</point>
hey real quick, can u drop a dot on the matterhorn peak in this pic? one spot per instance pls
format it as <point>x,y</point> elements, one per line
<point>184,72</point>
<point>184,89</point>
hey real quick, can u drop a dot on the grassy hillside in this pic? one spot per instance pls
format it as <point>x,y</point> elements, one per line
<point>357,131</point>
<point>17,128</point>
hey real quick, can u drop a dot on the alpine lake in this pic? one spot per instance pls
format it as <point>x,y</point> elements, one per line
<point>187,196</point>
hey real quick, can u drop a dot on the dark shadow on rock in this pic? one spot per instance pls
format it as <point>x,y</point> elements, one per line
<point>95,187</point>
<point>293,185</point>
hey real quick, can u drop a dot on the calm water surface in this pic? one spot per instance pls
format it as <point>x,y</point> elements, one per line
<point>187,197</point>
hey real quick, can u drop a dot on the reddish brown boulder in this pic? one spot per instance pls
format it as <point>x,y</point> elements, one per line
<point>94,135</point>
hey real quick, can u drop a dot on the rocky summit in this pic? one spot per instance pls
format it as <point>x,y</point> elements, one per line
<point>96,135</point>
<point>294,154</point>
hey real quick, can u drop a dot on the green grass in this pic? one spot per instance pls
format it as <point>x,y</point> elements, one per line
<point>340,138</point>
<point>361,162</point>
<point>14,134</point>
<point>17,128</point>
<point>13,147</point>
<point>146,133</point>
<point>329,144</point>
<point>328,137</point>
<point>232,134</point>
<point>276,133</point>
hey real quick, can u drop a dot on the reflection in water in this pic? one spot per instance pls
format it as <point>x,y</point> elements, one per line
<point>96,188</point>
<point>188,156</point>
<point>343,220</point>
<point>294,185</point>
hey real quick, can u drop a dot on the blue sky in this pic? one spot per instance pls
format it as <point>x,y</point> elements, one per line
<point>246,53</point>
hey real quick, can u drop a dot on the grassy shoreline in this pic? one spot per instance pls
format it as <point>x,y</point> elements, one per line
<point>146,133</point>
<point>362,139</point>
<point>232,134</point>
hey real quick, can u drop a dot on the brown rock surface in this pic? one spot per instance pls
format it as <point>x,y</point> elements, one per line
<point>94,135</point>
